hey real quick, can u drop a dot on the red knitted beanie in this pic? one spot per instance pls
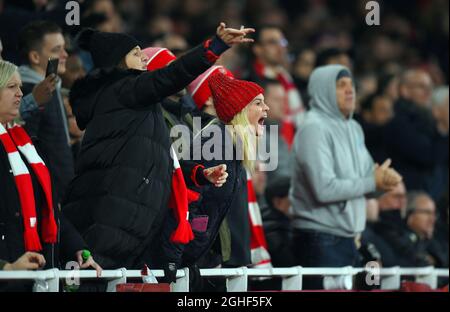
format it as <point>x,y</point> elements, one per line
<point>231,95</point>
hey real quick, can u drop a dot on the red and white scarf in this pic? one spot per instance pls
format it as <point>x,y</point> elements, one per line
<point>258,244</point>
<point>180,198</point>
<point>15,139</point>
<point>293,108</point>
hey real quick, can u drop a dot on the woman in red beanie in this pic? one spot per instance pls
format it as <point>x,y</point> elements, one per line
<point>241,112</point>
<point>119,196</point>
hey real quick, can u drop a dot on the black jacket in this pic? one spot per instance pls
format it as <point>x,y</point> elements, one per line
<point>278,231</point>
<point>414,144</point>
<point>408,248</point>
<point>118,199</point>
<point>216,204</point>
<point>374,138</point>
<point>11,222</point>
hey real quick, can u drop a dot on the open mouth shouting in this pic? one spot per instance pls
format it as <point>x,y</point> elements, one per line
<point>261,126</point>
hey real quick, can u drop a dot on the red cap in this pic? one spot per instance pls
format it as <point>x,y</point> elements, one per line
<point>199,88</point>
<point>231,95</point>
<point>158,58</point>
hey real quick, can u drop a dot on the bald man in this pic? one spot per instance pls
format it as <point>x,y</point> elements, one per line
<point>416,86</point>
<point>411,138</point>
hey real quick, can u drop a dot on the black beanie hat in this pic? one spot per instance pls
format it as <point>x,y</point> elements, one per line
<point>107,49</point>
<point>343,74</point>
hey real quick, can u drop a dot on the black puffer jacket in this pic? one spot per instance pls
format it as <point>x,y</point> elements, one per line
<point>119,196</point>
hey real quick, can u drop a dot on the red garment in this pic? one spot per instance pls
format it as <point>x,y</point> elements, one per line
<point>258,244</point>
<point>13,139</point>
<point>180,198</point>
<point>199,88</point>
<point>231,96</point>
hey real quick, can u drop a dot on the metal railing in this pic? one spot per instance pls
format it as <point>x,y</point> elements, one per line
<point>236,279</point>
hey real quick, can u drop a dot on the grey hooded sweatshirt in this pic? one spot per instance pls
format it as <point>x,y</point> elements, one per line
<point>333,170</point>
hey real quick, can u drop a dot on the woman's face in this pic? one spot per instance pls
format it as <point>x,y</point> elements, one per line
<point>10,97</point>
<point>257,113</point>
<point>136,59</point>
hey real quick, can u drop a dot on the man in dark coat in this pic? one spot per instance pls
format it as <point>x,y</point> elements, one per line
<point>412,140</point>
<point>118,199</point>
<point>277,222</point>
<point>413,243</point>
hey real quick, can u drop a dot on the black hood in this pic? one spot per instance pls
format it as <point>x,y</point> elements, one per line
<point>84,94</point>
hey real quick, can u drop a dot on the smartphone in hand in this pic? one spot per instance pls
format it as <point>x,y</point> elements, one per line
<point>52,67</point>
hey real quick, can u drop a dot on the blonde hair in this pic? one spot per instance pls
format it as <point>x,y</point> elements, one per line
<point>7,70</point>
<point>244,139</point>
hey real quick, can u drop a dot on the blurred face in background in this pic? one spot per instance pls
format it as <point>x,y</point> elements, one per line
<point>394,200</point>
<point>423,219</point>
<point>1,49</point>
<point>382,111</point>
<point>305,64</point>
<point>345,96</point>
<point>104,6</point>
<point>341,59</point>
<point>272,47</point>
<point>417,87</point>
<point>39,4</point>
<point>275,97</point>
<point>392,89</point>
<point>74,71</point>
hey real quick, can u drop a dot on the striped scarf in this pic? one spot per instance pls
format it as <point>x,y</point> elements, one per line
<point>258,244</point>
<point>15,139</point>
<point>180,198</point>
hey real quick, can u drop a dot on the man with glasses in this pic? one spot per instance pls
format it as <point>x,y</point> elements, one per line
<point>419,248</point>
<point>412,242</point>
<point>412,138</point>
<point>271,62</point>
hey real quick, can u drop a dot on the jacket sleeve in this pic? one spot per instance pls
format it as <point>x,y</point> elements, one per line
<point>412,144</point>
<point>30,112</point>
<point>28,107</point>
<point>171,252</point>
<point>314,154</point>
<point>193,174</point>
<point>151,87</point>
<point>71,240</point>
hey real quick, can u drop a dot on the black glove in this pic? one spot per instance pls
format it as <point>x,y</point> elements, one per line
<point>170,273</point>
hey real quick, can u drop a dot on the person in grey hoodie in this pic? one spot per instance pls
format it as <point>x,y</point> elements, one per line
<point>42,107</point>
<point>333,174</point>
